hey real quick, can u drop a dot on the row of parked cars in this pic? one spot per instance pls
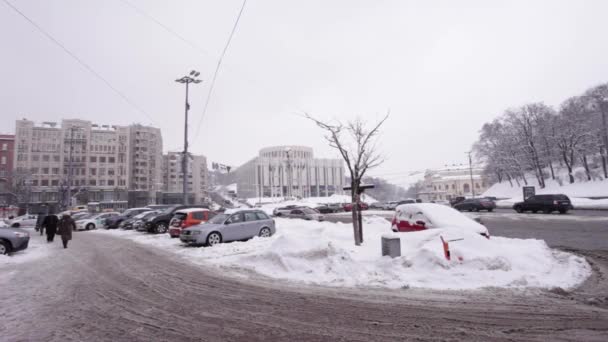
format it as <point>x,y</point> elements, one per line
<point>196,225</point>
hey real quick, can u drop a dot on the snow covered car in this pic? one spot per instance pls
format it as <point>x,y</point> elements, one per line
<point>232,226</point>
<point>94,221</point>
<point>28,220</point>
<point>420,216</point>
<point>13,239</point>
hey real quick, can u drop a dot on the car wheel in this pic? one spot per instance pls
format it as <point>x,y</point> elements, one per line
<point>15,225</point>
<point>470,209</point>
<point>5,248</point>
<point>476,209</point>
<point>563,211</point>
<point>265,232</point>
<point>519,210</point>
<point>90,226</point>
<point>490,210</point>
<point>534,211</point>
<point>161,228</point>
<point>213,239</point>
<point>547,211</point>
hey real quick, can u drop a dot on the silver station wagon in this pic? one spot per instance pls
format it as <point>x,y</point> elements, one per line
<point>231,226</point>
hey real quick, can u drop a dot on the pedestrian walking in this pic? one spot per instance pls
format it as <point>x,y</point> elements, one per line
<point>65,227</point>
<point>50,223</point>
<point>39,226</point>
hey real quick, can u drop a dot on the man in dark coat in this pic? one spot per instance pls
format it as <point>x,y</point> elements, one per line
<point>50,223</point>
<point>66,225</point>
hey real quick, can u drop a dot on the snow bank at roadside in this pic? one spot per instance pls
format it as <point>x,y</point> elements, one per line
<point>597,188</point>
<point>38,248</point>
<point>577,203</point>
<point>323,253</point>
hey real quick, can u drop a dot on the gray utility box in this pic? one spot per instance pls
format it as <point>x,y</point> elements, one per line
<point>391,246</point>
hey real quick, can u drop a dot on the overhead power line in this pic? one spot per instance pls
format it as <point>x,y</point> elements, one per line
<point>166,28</point>
<point>217,68</point>
<point>80,61</point>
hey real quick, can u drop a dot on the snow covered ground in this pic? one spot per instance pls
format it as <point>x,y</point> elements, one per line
<point>323,253</point>
<point>578,193</point>
<point>37,248</point>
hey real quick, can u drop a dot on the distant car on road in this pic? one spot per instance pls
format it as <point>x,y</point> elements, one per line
<point>330,208</point>
<point>457,200</point>
<point>233,226</point>
<point>349,206</point>
<point>305,214</point>
<point>12,239</point>
<point>475,204</point>
<point>421,216</point>
<point>545,203</point>
<point>284,210</point>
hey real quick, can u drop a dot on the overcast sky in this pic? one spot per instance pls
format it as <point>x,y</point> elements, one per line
<point>442,67</point>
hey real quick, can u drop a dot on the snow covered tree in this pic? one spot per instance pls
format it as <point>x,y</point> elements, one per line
<point>357,146</point>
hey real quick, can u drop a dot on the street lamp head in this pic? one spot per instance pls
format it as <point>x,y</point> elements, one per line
<point>197,81</point>
<point>192,72</point>
<point>196,74</point>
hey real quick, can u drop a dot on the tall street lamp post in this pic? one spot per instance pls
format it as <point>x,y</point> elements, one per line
<point>192,78</point>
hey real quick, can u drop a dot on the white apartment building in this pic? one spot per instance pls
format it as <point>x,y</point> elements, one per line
<point>445,184</point>
<point>289,171</point>
<point>197,173</point>
<point>106,161</point>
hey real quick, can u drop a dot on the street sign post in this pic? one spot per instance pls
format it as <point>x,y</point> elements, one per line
<point>529,191</point>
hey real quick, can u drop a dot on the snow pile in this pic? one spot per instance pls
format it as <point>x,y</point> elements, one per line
<point>323,253</point>
<point>598,188</point>
<point>37,248</point>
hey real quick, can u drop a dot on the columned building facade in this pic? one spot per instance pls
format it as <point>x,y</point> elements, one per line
<point>289,171</point>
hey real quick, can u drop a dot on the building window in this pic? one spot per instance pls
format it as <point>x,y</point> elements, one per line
<point>93,172</point>
<point>55,182</point>
<point>4,147</point>
<point>93,159</point>
<point>111,159</point>
<point>55,170</point>
<point>3,160</point>
<point>45,171</point>
<point>92,182</point>
<point>35,157</point>
<point>102,159</point>
<point>44,182</point>
<point>110,182</point>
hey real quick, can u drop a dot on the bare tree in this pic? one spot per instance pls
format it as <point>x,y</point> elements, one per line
<point>357,146</point>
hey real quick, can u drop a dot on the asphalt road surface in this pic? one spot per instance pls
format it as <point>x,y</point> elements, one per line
<point>104,288</point>
<point>579,229</point>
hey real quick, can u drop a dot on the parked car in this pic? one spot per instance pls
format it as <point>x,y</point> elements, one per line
<point>185,218</point>
<point>158,206</point>
<point>421,216</point>
<point>545,203</point>
<point>231,226</point>
<point>305,214</point>
<point>407,201</point>
<point>349,206</point>
<point>115,221</point>
<point>389,205</point>
<point>329,208</point>
<point>141,220</point>
<point>12,239</point>
<point>160,223</point>
<point>94,221</point>
<point>23,221</point>
<point>456,200</point>
<point>475,204</point>
<point>284,210</point>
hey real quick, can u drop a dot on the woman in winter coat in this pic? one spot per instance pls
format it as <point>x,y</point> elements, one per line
<point>65,227</point>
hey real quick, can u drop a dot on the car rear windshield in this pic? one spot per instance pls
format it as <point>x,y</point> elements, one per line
<point>181,216</point>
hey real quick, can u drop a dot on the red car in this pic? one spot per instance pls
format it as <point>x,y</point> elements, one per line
<point>349,206</point>
<point>185,218</point>
<point>421,216</point>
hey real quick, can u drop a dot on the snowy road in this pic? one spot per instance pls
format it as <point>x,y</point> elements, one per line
<point>111,289</point>
<point>580,230</point>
